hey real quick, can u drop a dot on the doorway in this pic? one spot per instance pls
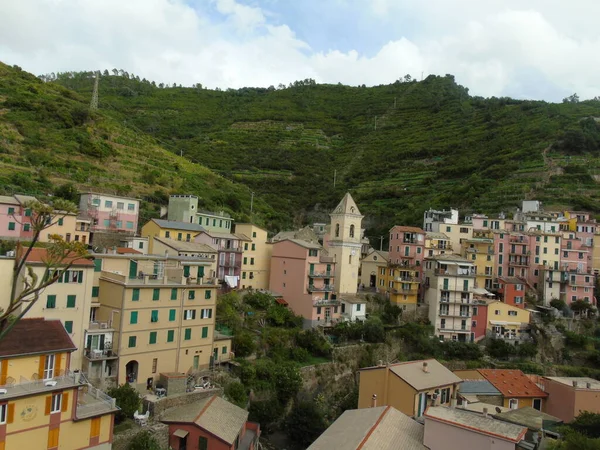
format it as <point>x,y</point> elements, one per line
<point>131,369</point>
<point>196,362</point>
<point>327,315</point>
<point>537,404</point>
<point>373,280</point>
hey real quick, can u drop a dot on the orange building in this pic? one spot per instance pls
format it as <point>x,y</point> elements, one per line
<point>43,405</point>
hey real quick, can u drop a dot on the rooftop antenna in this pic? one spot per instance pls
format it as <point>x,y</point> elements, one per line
<point>94,102</point>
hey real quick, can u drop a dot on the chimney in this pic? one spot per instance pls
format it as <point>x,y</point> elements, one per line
<point>575,383</point>
<point>485,412</point>
<point>588,385</point>
<point>425,367</point>
<point>374,401</point>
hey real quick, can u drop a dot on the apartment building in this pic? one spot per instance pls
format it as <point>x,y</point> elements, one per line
<point>407,247</point>
<point>512,291</point>
<point>44,404</point>
<point>230,248</point>
<point>180,231</point>
<point>160,313</point>
<point>171,247</point>
<point>344,244</point>
<point>184,208</point>
<point>410,387</point>
<point>401,285</point>
<point>110,212</point>
<point>370,268</point>
<point>449,285</point>
<point>433,219</point>
<point>437,244</point>
<point>570,396</point>
<point>505,321</point>
<point>256,262</point>
<point>480,251</point>
<point>304,275</point>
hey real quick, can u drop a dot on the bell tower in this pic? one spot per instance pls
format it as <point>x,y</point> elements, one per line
<point>345,245</point>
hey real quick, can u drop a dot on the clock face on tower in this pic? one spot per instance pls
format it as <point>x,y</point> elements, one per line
<point>353,252</point>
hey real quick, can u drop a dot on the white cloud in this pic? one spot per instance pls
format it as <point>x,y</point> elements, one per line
<point>489,45</point>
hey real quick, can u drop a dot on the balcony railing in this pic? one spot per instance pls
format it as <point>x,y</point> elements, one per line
<point>231,248</point>
<point>98,355</point>
<point>326,302</point>
<point>405,291</point>
<point>457,273</point>
<point>235,264</point>
<point>320,274</point>
<point>324,288</point>
<point>454,314</point>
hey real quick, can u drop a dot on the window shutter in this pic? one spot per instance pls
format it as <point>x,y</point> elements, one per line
<point>41,366</point>
<point>65,402</point>
<point>3,372</point>
<point>57,361</point>
<point>10,415</point>
<point>80,278</point>
<point>48,404</point>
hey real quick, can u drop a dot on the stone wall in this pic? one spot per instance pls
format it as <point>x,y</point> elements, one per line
<point>157,407</point>
<point>159,431</point>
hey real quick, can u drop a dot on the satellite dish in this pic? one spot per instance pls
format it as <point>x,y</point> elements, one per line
<point>498,410</point>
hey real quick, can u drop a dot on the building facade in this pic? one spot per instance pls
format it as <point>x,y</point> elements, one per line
<point>256,262</point>
<point>370,268</point>
<point>110,212</point>
<point>184,208</point>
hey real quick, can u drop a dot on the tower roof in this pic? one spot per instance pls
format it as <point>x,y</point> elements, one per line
<point>347,206</point>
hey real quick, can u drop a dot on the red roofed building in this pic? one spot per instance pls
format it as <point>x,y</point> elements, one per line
<point>516,388</point>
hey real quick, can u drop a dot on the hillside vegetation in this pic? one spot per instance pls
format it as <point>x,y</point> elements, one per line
<point>399,148</point>
<point>48,138</point>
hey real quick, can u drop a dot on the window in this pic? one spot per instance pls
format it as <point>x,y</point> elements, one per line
<point>170,335</point>
<point>245,260</point>
<point>51,301</point>
<point>475,310</point>
<point>518,300</point>
<point>204,332</point>
<point>26,227</point>
<point>167,234</point>
<point>244,275</point>
<point>61,221</point>
<point>141,245</point>
<point>191,295</point>
<point>152,339</point>
<point>173,294</point>
<point>313,252</point>
<point>358,305</point>
<point>69,326</point>
<point>108,203</point>
<point>71,299</point>
<point>56,403</point>
<point>71,276</point>
<point>154,365</point>
<point>351,231</point>
<point>206,313</point>
<point>179,236</point>
<point>11,211</point>
<point>445,395</point>
<point>133,317</point>
<point>95,291</point>
<point>513,403</point>
<point>155,294</point>
<point>189,314</point>
<point>129,225</point>
<point>96,202</point>
<point>4,414</point>
<point>120,205</point>
<point>106,223</point>
<point>154,315</point>
<point>251,261</point>
<point>246,246</point>
<point>202,443</point>
<point>11,226</point>
<point>497,312</point>
<point>337,230</point>
<point>465,285</point>
<point>253,247</point>
<point>545,250</point>
<point>207,295</point>
<point>188,334</point>
<point>474,324</point>
<point>132,341</point>
<point>135,294</point>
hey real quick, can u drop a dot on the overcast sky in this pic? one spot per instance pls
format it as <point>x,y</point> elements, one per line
<point>540,49</point>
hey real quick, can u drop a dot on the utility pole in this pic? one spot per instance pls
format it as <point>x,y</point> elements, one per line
<point>381,243</point>
<point>251,202</point>
<point>94,102</point>
<point>334,177</point>
<point>181,153</point>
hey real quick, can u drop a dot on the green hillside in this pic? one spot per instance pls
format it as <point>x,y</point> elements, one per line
<point>49,138</point>
<point>399,148</point>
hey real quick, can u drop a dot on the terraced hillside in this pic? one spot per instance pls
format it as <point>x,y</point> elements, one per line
<point>400,148</point>
<point>48,138</point>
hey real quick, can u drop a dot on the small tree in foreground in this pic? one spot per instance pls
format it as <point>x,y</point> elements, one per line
<point>60,255</point>
<point>143,441</point>
<point>128,399</point>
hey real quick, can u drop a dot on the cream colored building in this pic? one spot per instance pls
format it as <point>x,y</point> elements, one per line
<point>456,233</point>
<point>437,244</point>
<point>68,300</point>
<point>69,227</point>
<point>162,318</point>
<point>256,259</point>
<point>344,244</point>
<point>370,268</point>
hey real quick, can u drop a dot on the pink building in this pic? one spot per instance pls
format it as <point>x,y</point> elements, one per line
<point>110,212</point>
<point>15,219</point>
<point>304,275</point>
<point>407,247</point>
<point>230,248</point>
<point>570,396</point>
<point>458,429</point>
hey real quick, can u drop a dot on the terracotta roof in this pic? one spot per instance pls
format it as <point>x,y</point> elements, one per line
<point>510,280</point>
<point>281,301</point>
<point>127,251</point>
<point>36,336</point>
<point>512,383</point>
<point>407,229</point>
<point>380,428</point>
<point>38,255</point>
<point>476,422</point>
<point>213,414</point>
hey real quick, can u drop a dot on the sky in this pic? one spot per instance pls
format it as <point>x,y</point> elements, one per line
<point>530,49</point>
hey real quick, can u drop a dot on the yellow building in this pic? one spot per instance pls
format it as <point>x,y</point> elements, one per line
<point>546,249</point>
<point>596,253</point>
<point>437,244</point>
<point>180,231</point>
<point>370,268</point>
<point>480,251</point>
<point>256,262</point>
<point>162,319</point>
<point>506,321</point>
<point>68,300</point>
<point>69,227</point>
<point>456,233</point>
<point>409,387</point>
<point>43,404</point>
<point>401,285</point>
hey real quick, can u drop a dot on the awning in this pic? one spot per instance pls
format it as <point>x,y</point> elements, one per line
<point>281,301</point>
<point>180,433</point>
<point>481,291</point>
<point>500,322</point>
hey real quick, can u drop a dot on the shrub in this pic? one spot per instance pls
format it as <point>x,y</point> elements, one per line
<point>243,344</point>
<point>314,342</point>
<point>299,354</point>
<point>236,393</point>
<point>265,412</point>
<point>497,348</point>
<point>558,304</point>
<point>143,441</point>
<point>305,423</point>
<point>128,399</point>
<point>373,330</point>
<point>259,300</point>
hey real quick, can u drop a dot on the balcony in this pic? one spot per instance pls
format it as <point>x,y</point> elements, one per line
<point>95,326</point>
<point>231,248</point>
<point>524,262</point>
<point>457,273</point>
<point>100,355</point>
<point>324,288</point>
<point>320,274</point>
<point>406,279</point>
<point>326,302</point>
<point>412,291</point>
<point>455,314</point>
<point>234,264</point>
